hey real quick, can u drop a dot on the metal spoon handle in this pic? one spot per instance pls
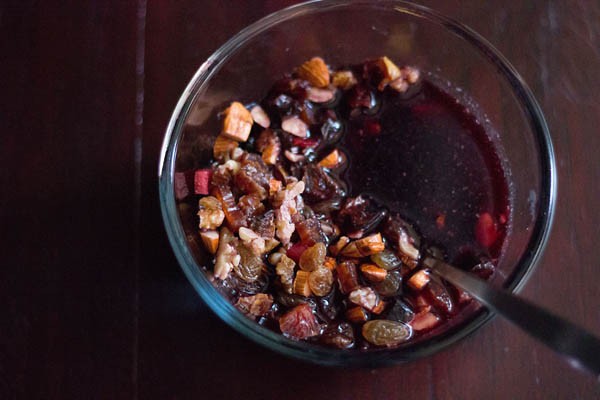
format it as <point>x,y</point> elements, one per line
<point>581,347</point>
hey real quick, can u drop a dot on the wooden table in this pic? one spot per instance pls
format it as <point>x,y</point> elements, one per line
<point>92,301</point>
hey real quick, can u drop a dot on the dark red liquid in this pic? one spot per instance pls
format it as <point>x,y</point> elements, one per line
<point>433,163</point>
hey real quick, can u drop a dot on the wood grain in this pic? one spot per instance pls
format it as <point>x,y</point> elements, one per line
<point>93,303</point>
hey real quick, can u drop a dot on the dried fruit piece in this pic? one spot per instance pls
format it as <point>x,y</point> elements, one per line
<point>336,248</point>
<point>315,71</point>
<point>210,240</point>
<point>210,213</point>
<point>331,160</point>
<point>357,315</point>
<point>301,285</point>
<point>373,273</point>
<point>330,263</point>
<point>424,320</point>
<point>366,246</point>
<point>237,123</point>
<point>343,79</point>
<point>223,147</point>
<point>320,281</point>
<point>391,285</point>
<point>401,312</point>
<point>419,280</point>
<point>227,257</point>
<point>347,276</point>
<point>260,116</point>
<point>313,258</point>
<point>269,145</point>
<point>202,181</point>
<point>285,270</point>
<point>255,306</point>
<point>299,322</point>
<point>387,260</point>
<point>318,95</point>
<point>364,297</point>
<point>251,267</point>
<point>386,333</point>
<point>338,335</point>
<point>294,125</point>
<point>310,231</point>
<point>296,250</point>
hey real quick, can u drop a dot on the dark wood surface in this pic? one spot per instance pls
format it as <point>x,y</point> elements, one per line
<point>92,301</point>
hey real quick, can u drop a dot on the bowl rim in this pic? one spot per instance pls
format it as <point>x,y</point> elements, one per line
<point>318,354</point>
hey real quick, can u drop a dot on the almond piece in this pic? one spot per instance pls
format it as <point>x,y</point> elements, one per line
<point>373,273</point>
<point>294,125</point>
<point>335,249</point>
<point>390,71</point>
<point>366,246</point>
<point>357,315</point>
<point>343,79</point>
<point>419,280</point>
<point>301,285</point>
<point>425,319</point>
<point>331,160</point>
<point>237,123</point>
<point>223,147</point>
<point>315,71</point>
<point>318,95</point>
<point>260,116</point>
<point>210,240</point>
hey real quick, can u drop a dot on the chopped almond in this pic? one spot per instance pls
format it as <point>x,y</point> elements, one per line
<point>366,246</point>
<point>419,280</point>
<point>210,213</point>
<point>255,306</point>
<point>315,71</point>
<point>357,315</point>
<point>318,95</point>
<point>343,79</point>
<point>238,122</point>
<point>260,116</point>
<point>332,160</point>
<point>301,285</point>
<point>330,263</point>
<point>390,71</point>
<point>373,273</point>
<point>335,249</point>
<point>223,147</point>
<point>295,126</point>
<point>210,240</point>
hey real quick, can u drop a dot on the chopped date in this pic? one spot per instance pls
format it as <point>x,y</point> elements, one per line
<point>299,249</point>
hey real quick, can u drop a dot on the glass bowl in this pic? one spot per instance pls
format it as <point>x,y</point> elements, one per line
<point>246,66</point>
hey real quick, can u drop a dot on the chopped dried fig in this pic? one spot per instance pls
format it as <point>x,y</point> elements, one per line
<point>315,71</point>
<point>237,123</point>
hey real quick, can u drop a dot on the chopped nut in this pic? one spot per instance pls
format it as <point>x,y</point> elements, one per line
<point>320,281</point>
<point>227,257</point>
<point>330,263</point>
<point>357,315</point>
<point>274,186</point>
<point>252,240</point>
<point>255,306</point>
<point>285,270</point>
<point>223,147</point>
<point>232,165</point>
<point>330,161</point>
<point>315,71</point>
<point>260,116</point>
<point>366,246</point>
<point>210,240</point>
<point>285,200</point>
<point>294,125</point>
<point>347,276</point>
<point>318,95</point>
<point>293,157</point>
<point>365,297</point>
<point>238,122</point>
<point>408,76</point>
<point>210,213</point>
<point>301,285</point>
<point>270,244</point>
<point>335,249</point>
<point>390,71</point>
<point>373,273</point>
<point>419,280</point>
<point>343,79</point>
<point>269,145</point>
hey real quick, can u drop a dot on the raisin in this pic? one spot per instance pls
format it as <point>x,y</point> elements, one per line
<point>391,285</point>
<point>386,333</point>
<point>320,281</point>
<point>339,335</point>
<point>313,258</point>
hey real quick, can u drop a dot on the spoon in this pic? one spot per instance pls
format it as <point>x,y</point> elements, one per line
<point>581,348</point>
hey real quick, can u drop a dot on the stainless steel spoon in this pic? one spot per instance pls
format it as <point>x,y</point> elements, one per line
<point>581,348</point>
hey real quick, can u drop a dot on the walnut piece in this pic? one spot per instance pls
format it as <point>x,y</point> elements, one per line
<point>252,240</point>
<point>227,256</point>
<point>210,213</point>
<point>285,270</point>
<point>255,306</point>
<point>237,123</point>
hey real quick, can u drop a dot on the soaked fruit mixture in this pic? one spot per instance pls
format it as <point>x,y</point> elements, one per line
<point>324,198</point>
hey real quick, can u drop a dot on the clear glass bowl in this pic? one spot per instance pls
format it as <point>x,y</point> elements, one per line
<point>344,32</point>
